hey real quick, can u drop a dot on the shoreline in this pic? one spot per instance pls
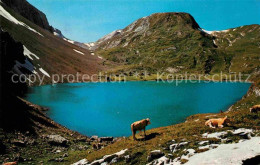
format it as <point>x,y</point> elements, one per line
<point>45,109</point>
<point>164,81</point>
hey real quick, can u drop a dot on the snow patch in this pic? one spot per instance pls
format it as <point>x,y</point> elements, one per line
<point>92,54</point>
<point>214,31</point>
<point>8,16</point>
<point>231,153</point>
<point>56,34</point>
<point>29,54</point>
<point>78,51</point>
<point>122,152</point>
<point>44,72</point>
<point>100,57</point>
<point>70,41</point>
<point>81,162</point>
<point>203,142</point>
<point>91,44</point>
<point>242,130</point>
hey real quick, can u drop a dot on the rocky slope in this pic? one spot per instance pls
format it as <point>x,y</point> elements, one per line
<point>48,53</point>
<point>174,42</point>
<point>26,134</point>
<point>29,12</point>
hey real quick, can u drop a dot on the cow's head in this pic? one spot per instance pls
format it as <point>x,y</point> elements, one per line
<point>148,121</point>
<point>226,120</point>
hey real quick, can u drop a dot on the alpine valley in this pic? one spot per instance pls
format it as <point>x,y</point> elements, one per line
<point>162,42</point>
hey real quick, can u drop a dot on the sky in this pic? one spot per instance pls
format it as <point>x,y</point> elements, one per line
<point>88,20</point>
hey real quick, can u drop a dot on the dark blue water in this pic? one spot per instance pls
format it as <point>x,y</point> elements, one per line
<point>108,109</point>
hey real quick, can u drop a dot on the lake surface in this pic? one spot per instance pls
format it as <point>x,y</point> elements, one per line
<point>108,109</point>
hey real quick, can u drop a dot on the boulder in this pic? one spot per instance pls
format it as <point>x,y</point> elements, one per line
<point>154,155</point>
<point>114,160</point>
<point>18,143</point>
<point>57,140</point>
<point>106,139</point>
<point>174,147</point>
<point>93,138</point>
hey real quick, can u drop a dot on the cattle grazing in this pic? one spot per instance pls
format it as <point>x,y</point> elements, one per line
<point>220,122</point>
<point>255,109</point>
<point>139,125</point>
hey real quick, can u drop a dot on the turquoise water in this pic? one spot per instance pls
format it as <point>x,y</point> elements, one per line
<point>108,109</point>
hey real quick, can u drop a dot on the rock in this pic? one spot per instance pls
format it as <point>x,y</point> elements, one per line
<point>59,159</point>
<point>18,143</point>
<point>93,138</point>
<point>29,12</point>
<point>203,142</point>
<point>19,158</point>
<point>217,135</point>
<point>65,155</point>
<point>57,140</point>
<point>127,158</point>
<point>58,151</point>
<point>81,139</point>
<point>106,139</point>
<point>31,142</point>
<point>96,146</point>
<point>154,155</point>
<point>114,160</point>
<point>81,162</point>
<point>174,147</point>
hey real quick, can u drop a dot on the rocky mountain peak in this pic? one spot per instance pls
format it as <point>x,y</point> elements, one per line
<point>29,12</point>
<point>145,26</point>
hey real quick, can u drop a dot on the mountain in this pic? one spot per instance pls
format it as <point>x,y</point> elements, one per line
<point>27,135</point>
<point>174,42</point>
<point>48,53</point>
<point>29,12</point>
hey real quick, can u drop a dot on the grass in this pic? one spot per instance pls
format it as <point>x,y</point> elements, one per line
<point>171,44</point>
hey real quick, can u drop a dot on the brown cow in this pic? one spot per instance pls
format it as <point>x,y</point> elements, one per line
<point>139,126</point>
<point>220,122</point>
<point>255,109</point>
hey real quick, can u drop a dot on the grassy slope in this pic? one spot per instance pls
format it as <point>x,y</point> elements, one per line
<point>174,40</point>
<point>56,55</point>
<point>171,40</point>
<point>242,44</point>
